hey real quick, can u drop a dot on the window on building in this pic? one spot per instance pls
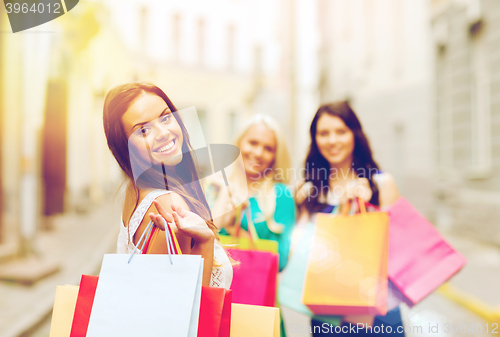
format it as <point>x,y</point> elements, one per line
<point>369,31</point>
<point>398,37</point>
<point>176,36</point>
<point>258,66</point>
<point>480,122</point>
<point>202,117</point>
<point>233,125</point>
<point>444,120</point>
<point>143,31</point>
<point>200,27</point>
<point>231,37</point>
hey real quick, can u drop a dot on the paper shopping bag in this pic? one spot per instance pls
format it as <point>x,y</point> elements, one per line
<point>420,259</point>
<point>150,296</point>
<point>254,279</point>
<point>83,307</point>
<point>215,312</point>
<point>347,266</point>
<point>64,308</point>
<point>225,322</point>
<point>292,281</point>
<point>247,243</point>
<point>251,243</point>
<point>253,321</point>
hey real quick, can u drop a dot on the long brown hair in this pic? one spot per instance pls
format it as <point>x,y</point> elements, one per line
<point>182,178</point>
<point>363,163</point>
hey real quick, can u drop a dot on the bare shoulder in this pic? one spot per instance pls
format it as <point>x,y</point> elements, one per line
<point>388,189</point>
<point>168,199</point>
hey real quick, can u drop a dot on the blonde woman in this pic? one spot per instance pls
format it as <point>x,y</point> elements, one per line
<point>266,162</point>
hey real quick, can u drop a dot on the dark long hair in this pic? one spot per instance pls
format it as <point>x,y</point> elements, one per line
<point>362,160</point>
<point>182,179</point>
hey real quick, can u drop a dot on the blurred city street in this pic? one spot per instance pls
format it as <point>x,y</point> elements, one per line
<point>423,77</point>
<point>76,243</point>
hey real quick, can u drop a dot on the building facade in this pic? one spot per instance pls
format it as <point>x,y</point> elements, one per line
<point>466,36</point>
<point>377,55</point>
<point>213,56</point>
<point>53,155</point>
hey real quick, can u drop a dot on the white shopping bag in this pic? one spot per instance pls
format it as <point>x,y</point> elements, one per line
<point>153,295</point>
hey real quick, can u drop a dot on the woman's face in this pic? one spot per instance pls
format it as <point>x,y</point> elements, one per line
<point>335,140</point>
<point>258,149</point>
<point>153,131</point>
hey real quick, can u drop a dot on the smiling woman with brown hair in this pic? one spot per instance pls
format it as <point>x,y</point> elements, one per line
<point>149,141</point>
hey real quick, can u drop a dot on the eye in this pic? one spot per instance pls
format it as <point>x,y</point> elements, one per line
<point>253,143</point>
<point>323,133</point>
<point>166,118</point>
<point>269,149</point>
<point>341,131</point>
<point>144,131</point>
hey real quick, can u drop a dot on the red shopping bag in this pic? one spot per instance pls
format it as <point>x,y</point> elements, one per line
<point>254,280</point>
<point>215,312</point>
<point>420,259</point>
<point>83,308</point>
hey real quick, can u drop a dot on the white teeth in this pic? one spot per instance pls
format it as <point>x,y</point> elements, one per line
<point>166,147</point>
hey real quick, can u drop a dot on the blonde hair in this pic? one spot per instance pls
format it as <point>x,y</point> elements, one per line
<point>266,197</point>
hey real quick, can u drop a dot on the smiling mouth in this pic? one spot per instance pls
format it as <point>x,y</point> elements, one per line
<point>167,147</point>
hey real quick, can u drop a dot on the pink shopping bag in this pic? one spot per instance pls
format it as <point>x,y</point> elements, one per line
<point>420,259</point>
<point>254,279</point>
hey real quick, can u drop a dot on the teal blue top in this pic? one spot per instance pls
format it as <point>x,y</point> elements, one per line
<point>284,214</point>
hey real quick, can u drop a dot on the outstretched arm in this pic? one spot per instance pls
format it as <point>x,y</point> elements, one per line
<point>190,225</point>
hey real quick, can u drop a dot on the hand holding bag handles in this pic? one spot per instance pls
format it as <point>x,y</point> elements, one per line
<point>251,243</point>
<point>215,305</point>
<point>152,295</point>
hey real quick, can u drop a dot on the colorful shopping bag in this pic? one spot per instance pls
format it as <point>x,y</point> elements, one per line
<point>253,321</point>
<point>247,244</point>
<point>215,312</point>
<point>420,259</point>
<point>292,281</point>
<point>347,266</point>
<point>63,310</point>
<point>147,295</point>
<point>214,319</point>
<point>252,243</point>
<point>254,279</point>
<point>83,308</point>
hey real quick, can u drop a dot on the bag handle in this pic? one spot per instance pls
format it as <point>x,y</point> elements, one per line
<point>361,204</point>
<point>146,232</point>
<point>173,247</point>
<point>335,210</point>
<point>252,231</point>
<point>237,220</point>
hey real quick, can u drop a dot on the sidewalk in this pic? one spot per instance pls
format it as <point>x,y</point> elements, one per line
<point>77,243</point>
<point>476,286</point>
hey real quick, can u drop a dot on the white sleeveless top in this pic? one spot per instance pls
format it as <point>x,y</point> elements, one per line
<point>221,276</point>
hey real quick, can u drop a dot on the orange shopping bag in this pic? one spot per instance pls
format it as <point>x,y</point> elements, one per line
<point>347,267</point>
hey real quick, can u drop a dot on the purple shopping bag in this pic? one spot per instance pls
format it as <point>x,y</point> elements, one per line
<point>420,259</point>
